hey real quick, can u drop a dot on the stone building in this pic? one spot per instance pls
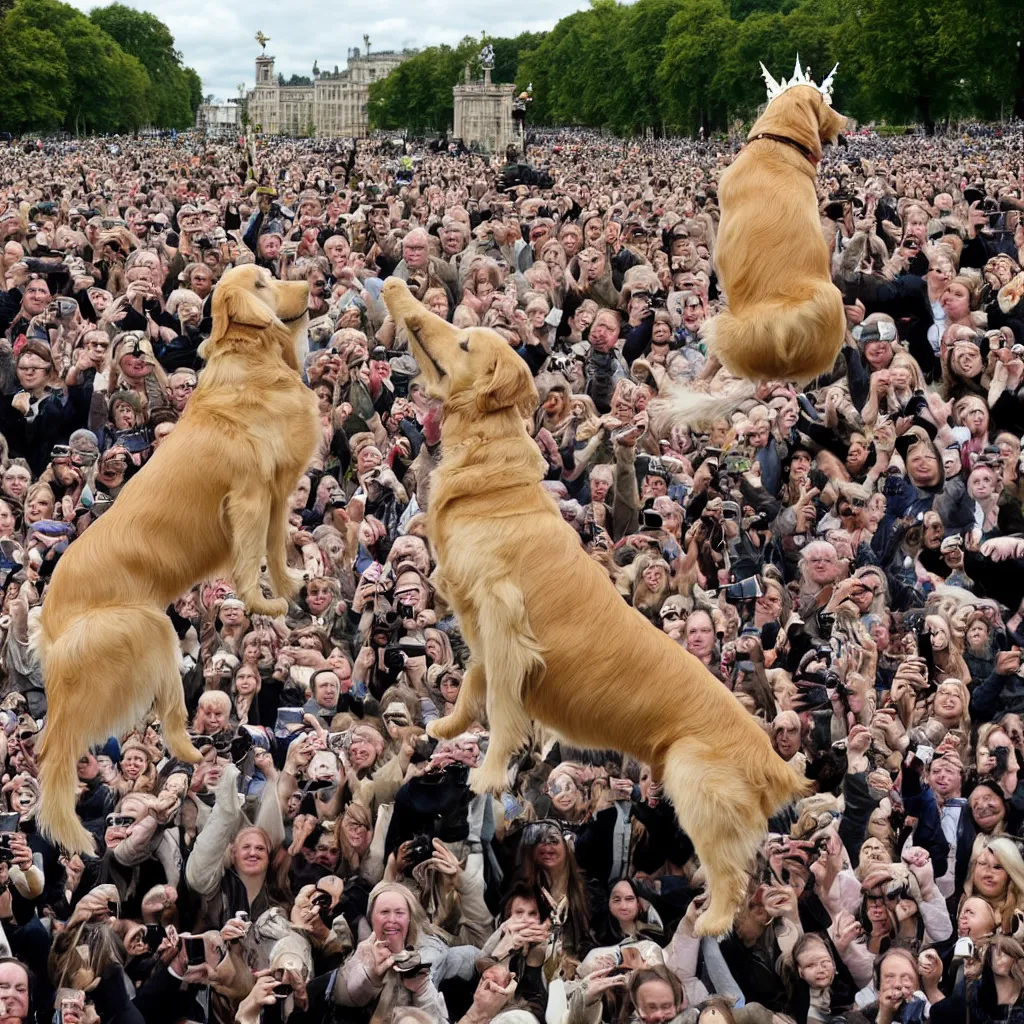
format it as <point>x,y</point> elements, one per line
<point>335,103</point>
<point>483,113</point>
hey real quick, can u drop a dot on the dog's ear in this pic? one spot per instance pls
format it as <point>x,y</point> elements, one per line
<point>509,385</point>
<point>832,123</point>
<point>233,304</point>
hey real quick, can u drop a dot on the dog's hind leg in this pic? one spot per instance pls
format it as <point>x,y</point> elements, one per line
<point>58,783</point>
<point>510,657</point>
<point>169,701</point>
<point>247,523</point>
<point>102,676</point>
<point>285,581</point>
<point>469,704</point>
<point>722,819</point>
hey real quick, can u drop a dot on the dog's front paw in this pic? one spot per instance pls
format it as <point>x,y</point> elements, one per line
<point>442,729</point>
<point>271,607</point>
<point>189,754</point>
<point>713,922</point>
<point>485,780</point>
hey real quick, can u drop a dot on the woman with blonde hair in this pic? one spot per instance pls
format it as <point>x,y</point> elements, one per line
<point>892,389</point>
<point>996,875</point>
<point>998,995</point>
<point>585,441</point>
<point>353,831</point>
<point>399,927</point>
<point>438,301</point>
<point>946,657</point>
<point>950,704</point>
<point>134,367</point>
<point>963,367</point>
<point>439,647</point>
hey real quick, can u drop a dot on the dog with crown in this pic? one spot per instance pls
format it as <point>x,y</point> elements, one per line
<point>784,318</point>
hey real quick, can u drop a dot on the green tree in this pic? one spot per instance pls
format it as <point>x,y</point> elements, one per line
<point>148,39</point>
<point>194,84</point>
<point>106,88</point>
<point>697,70</point>
<point>35,74</point>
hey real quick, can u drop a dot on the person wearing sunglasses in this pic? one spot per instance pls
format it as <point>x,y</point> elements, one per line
<point>546,861</point>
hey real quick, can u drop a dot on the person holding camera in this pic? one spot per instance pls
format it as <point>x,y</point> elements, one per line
<point>388,970</point>
<point>45,411</point>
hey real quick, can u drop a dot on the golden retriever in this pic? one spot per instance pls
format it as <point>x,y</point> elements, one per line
<point>550,638</point>
<point>785,318</point>
<point>213,497</point>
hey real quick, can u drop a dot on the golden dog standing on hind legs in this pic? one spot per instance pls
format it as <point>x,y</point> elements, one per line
<point>512,570</point>
<point>213,498</point>
<point>784,319</point>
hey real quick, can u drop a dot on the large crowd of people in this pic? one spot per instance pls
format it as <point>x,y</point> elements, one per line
<point>845,556</point>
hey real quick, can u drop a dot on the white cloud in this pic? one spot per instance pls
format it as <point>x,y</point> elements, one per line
<point>217,37</point>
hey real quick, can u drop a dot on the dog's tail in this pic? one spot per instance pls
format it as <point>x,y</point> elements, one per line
<point>102,669</point>
<point>782,341</point>
<point>58,785</point>
<point>683,407</point>
<point>61,743</point>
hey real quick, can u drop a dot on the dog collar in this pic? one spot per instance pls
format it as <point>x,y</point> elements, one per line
<point>798,146</point>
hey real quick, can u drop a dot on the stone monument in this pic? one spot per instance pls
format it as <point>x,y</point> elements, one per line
<point>483,110</point>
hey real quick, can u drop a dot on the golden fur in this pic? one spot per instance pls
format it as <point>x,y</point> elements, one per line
<point>594,670</point>
<point>784,318</point>
<point>213,498</point>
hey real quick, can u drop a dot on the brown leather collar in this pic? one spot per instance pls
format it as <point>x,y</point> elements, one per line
<point>798,146</point>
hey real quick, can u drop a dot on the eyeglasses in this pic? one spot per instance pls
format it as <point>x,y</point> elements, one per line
<point>119,820</point>
<point>33,366</point>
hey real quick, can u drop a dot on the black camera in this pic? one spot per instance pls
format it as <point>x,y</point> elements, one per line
<point>650,520</point>
<point>322,901</point>
<point>419,849</point>
<point>423,750</point>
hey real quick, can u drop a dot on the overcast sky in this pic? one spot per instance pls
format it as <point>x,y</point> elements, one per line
<point>217,37</point>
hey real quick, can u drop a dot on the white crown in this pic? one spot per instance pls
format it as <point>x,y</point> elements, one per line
<point>800,77</point>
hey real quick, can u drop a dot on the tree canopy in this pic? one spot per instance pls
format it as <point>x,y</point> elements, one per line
<point>113,70</point>
<point>678,65</point>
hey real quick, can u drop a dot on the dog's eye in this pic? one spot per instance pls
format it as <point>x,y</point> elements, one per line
<point>260,284</point>
<point>464,345</point>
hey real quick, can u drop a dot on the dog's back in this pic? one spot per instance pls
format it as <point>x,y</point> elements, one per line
<point>784,318</point>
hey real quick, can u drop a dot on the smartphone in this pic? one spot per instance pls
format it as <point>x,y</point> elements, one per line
<point>195,950</point>
<point>155,934</point>
<point>10,822</point>
<point>924,647</point>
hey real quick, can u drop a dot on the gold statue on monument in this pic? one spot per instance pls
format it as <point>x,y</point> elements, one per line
<point>262,40</point>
